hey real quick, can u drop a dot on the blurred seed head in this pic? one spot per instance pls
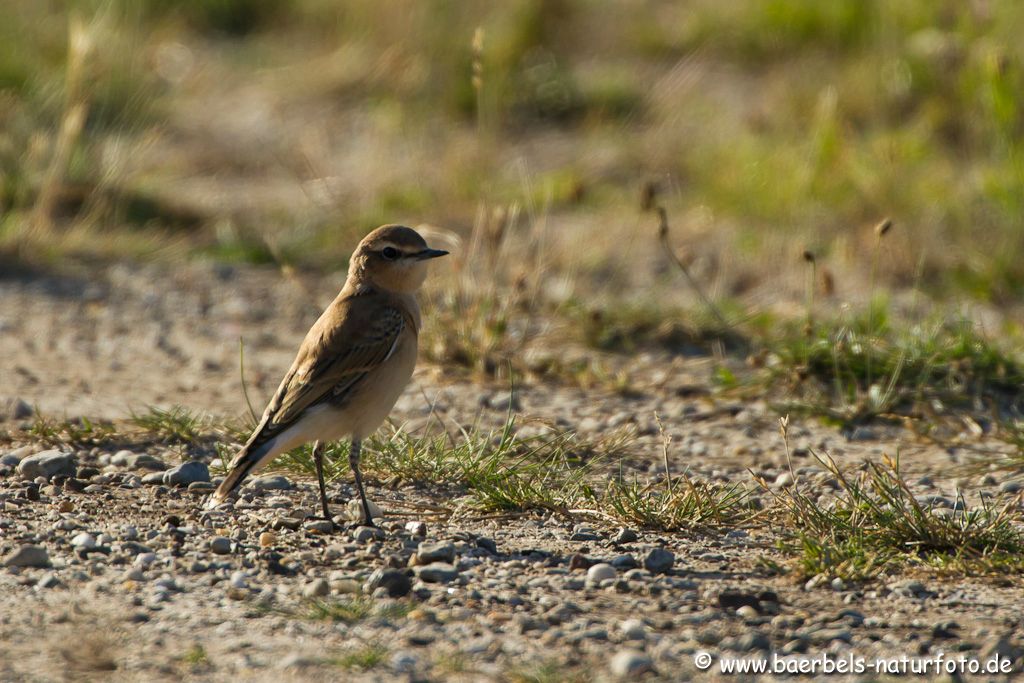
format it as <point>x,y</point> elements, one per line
<point>648,195</point>
<point>882,228</point>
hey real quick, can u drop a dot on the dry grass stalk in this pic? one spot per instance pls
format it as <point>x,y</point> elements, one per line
<point>81,43</point>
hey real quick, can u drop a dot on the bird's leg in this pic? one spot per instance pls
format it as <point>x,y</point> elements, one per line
<point>353,461</point>
<point>318,460</point>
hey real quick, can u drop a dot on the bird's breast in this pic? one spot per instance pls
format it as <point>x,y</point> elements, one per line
<point>380,389</point>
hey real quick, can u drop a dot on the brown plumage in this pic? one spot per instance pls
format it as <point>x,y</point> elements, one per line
<point>352,365</point>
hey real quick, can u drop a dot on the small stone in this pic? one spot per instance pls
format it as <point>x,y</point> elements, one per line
<point>267,539</point>
<point>584,533</point>
<point>1010,487</point>
<point>784,480</point>
<point>734,599</point>
<point>15,409</point>
<point>838,584</point>
<point>910,588</point>
<point>633,629</point>
<point>137,461</point>
<point>365,534</point>
<point>579,561</point>
<point>47,464</point>
<point>404,662</point>
<point>600,572</point>
<point>625,535</point>
<point>487,544</point>
<point>186,473</point>
<point>753,641</point>
<point>394,581</point>
<point>27,556</point>
<point>48,580</point>
<point>65,506</point>
<point>296,660</point>
<point>84,541</point>
<point>416,528</point>
<point>273,482</point>
<point>624,562</point>
<point>153,478</point>
<point>220,545</point>
<point>319,526</point>
<point>144,559</point>
<point>629,663</point>
<point>354,510</point>
<point>135,574</point>
<point>437,572</point>
<point>659,561</point>
<point>442,551</point>
<point>747,612</point>
<point>317,588</point>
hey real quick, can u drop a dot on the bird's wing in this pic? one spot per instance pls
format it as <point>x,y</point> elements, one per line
<point>351,338</point>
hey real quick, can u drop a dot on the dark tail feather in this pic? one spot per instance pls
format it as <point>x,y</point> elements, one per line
<point>242,464</point>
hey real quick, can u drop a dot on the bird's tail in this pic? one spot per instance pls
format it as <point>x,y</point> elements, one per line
<point>250,458</point>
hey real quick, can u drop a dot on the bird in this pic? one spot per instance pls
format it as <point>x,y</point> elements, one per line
<point>351,367</point>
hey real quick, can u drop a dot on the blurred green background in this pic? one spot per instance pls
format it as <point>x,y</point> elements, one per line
<point>278,131</point>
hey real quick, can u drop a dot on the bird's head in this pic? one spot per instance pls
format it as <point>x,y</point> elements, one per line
<point>392,257</point>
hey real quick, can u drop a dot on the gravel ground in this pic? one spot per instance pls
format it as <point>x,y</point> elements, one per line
<point>112,571</point>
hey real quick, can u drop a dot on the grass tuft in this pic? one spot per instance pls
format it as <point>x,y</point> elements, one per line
<point>354,610</point>
<point>364,659</point>
<point>877,524</point>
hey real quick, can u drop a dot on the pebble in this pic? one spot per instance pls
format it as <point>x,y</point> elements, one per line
<point>137,461</point>
<point>441,551</point>
<point>600,572</point>
<point>220,545</point>
<point>747,612</point>
<point>186,473</point>
<point>628,663</point>
<point>84,541</point>
<point>752,641</point>
<point>319,526</point>
<point>48,580</point>
<point>659,561</point>
<point>436,572</point>
<point>624,562</point>
<point>404,662</point>
<point>633,629</point>
<point>273,482</point>
<point>910,588</point>
<point>317,588</point>
<point>27,556</point>
<point>365,534</point>
<point>394,581</point>
<point>15,409</point>
<point>267,539</point>
<point>416,528</point>
<point>487,544</point>
<point>1010,487</point>
<point>144,559</point>
<point>625,535</point>
<point>48,464</point>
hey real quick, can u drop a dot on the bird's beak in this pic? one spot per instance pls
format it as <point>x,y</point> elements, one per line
<point>429,253</point>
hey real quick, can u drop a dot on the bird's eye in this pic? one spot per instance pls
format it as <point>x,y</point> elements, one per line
<point>390,253</point>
